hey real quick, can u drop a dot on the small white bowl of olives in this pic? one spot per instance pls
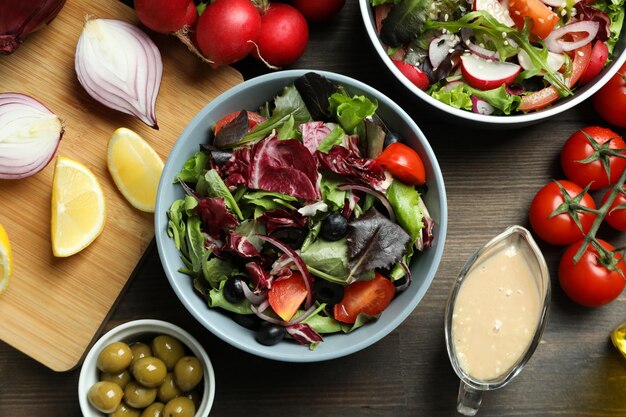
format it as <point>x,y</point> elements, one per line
<point>146,368</point>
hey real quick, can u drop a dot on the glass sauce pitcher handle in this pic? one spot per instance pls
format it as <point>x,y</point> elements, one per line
<point>469,400</point>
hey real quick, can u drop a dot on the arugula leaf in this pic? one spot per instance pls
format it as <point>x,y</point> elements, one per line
<point>361,319</point>
<point>216,270</point>
<point>374,241</point>
<point>288,130</point>
<point>321,324</point>
<point>176,226</point>
<point>217,189</point>
<point>198,254</point>
<point>352,111</point>
<point>268,200</point>
<point>329,257</point>
<point>335,137</point>
<point>405,202</point>
<point>194,168</point>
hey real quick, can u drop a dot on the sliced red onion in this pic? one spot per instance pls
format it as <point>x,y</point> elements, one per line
<point>302,316</point>
<point>557,45</point>
<point>259,312</point>
<point>308,279</point>
<point>440,47</point>
<point>556,3</point>
<point>383,199</point>
<point>120,66</point>
<point>407,272</point>
<point>19,18</point>
<point>478,50</point>
<point>255,299</point>
<point>29,136</point>
<point>480,106</point>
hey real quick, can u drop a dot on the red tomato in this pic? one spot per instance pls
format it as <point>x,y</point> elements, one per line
<point>284,35</point>
<point>560,229</point>
<point>616,218</point>
<point>403,163</point>
<point>318,10</point>
<point>610,100</point>
<point>578,147</point>
<point>544,19</point>
<point>589,282</point>
<point>253,120</point>
<point>369,297</point>
<point>286,295</point>
<point>599,55</point>
<point>548,95</point>
<point>414,74</point>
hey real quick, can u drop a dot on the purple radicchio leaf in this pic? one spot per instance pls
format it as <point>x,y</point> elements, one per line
<point>215,216</point>
<point>281,218</point>
<point>313,133</point>
<point>315,90</point>
<point>304,334</point>
<point>347,163</point>
<point>260,278</point>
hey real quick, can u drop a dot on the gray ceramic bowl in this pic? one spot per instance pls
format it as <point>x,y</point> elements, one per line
<point>250,95</point>
<point>488,121</point>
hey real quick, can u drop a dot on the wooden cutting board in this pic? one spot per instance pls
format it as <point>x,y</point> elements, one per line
<point>53,307</point>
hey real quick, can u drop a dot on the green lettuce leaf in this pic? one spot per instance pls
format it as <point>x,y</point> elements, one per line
<point>216,270</point>
<point>194,168</point>
<point>615,10</point>
<point>352,111</point>
<point>335,137</point>
<point>216,299</point>
<point>461,97</point>
<point>330,258</point>
<point>217,189</point>
<point>405,202</point>
<point>333,196</point>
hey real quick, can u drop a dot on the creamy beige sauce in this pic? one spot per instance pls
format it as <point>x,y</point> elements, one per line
<point>496,314</point>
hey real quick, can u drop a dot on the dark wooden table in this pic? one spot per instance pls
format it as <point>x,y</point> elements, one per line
<point>491,177</point>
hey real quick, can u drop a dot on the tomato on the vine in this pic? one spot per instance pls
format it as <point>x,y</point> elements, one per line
<point>369,297</point>
<point>610,100</point>
<point>403,163</point>
<point>560,229</point>
<point>595,279</point>
<point>616,217</point>
<point>587,156</point>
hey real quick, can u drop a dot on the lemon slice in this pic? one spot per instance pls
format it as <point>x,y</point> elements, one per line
<point>6,260</point>
<point>78,212</point>
<point>135,167</point>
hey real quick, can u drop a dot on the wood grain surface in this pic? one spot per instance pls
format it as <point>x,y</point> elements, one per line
<point>54,307</point>
<point>490,177</point>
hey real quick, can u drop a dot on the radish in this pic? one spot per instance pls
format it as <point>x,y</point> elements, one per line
<point>318,10</point>
<point>166,16</point>
<point>284,35</point>
<point>487,75</point>
<point>440,47</point>
<point>414,74</point>
<point>599,55</point>
<point>480,106</point>
<point>227,30</point>
<point>555,61</point>
<point>495,9</point>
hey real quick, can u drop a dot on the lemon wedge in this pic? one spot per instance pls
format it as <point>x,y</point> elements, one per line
<point>78,212</point>
<point>135,167</point>
<point>6,260</point>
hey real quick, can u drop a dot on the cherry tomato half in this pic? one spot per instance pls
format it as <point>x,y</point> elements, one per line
<point>616,218</point>
<point>403,163</point>
<point>610,100</point>
<point>578,147</point>
<point>588,282</point>
<point>544,19</point>
<point>253,120</point>
<point>560,229</point>
<point>369,297</point>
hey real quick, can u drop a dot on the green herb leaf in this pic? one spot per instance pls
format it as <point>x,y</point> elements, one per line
<point>405,202</point>
<point>194,168</point>
<point>328,257</point>
<point>217,189</point>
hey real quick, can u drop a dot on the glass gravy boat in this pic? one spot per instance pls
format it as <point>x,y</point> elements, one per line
<point>471,389</point>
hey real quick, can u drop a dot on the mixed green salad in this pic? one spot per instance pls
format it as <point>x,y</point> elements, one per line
<point>301,219</point>
<point>499,56</point>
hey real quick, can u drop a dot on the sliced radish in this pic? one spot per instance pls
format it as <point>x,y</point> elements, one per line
<point>466,34</point>
<point>453,84</point>
<point>487,75</point>
<point>414,74</point>
<point>599,55</point>
<point>440,48</point>
<point>555,61</point>
<point>480,106</point>
<point>495,9</point>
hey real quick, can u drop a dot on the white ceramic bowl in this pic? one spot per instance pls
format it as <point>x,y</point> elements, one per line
<point>490,121</point>
<point>140,330</point>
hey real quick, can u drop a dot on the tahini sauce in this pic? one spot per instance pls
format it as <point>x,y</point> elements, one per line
<point>496,314</point>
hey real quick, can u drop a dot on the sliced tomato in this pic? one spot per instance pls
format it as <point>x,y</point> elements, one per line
<point>287,295</point>
<point>544,19</point>
<point>253,120</point>
<point>369,297</point>
<point>548,95</point>
<point>403,163</point>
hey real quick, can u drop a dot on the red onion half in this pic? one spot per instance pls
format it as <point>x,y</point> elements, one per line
<point>557,45</point>
<point>120,66</point>
<point>19,18</point>
<point>29,136</point>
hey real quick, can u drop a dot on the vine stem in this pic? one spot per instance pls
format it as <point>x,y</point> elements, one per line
<point>602,212</point>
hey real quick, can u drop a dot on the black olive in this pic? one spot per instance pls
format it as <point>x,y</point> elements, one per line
<point>291,236</point>
<point>270,334</point>
<point>233,290</point>
<point>391,138</point>
<point>249,321</point>
<point>334,227</point>
<point>327,292</point>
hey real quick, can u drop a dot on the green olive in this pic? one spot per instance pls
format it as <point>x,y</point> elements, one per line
<point>114,358</point>
<point>179,407</point>
<point>195,396</point>
<point>149,371</point>
<point>140,350</point>
<point>153,410</point>
<point>120,379</point>
<point>105,396</point>
<point>168,389</point>
<point>123,410</point>
<point>188,373</point>
<point>138,396</point>
<point>168,349</point>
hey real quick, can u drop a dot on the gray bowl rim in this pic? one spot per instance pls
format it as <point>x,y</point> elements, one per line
<point>269,352</point>
<point>504,121</point>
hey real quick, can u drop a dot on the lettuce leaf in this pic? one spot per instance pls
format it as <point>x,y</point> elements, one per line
<point>405,202</point>
<point>615,10</point>
<point>461,97</point>
<point>352,111</point>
